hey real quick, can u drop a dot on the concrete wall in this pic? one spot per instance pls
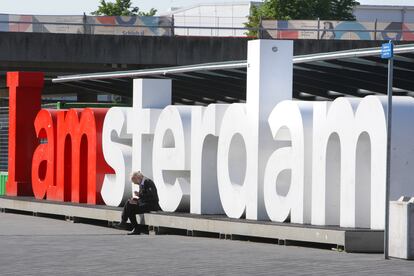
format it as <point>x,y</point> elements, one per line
<point>68,53</point>
<point>140,50</point>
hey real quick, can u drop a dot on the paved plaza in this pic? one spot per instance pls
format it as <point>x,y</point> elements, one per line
<point>41,246</point>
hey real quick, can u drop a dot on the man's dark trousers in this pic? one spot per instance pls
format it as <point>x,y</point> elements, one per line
<point>132,209</point>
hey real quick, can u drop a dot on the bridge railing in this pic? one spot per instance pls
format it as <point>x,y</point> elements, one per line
<point>112,25</point>
<point>4,136</point>
<point>331,29</point>
<point>167,26</point>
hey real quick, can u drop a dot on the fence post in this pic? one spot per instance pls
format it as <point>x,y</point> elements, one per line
<point>85,31</point>
<point>172,31</point>
<point>375,29</point>
<point>217,25</point>
<point>259,29</point>
<point>319,27</point>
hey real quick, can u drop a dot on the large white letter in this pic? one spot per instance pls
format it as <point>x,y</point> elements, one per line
<point>349,162</point>
<point>245,141</point>
<point>116,147</point>
<point>269,81</point>
<point>287,179</point>
<point>171,158</point>
<point>237,187</point>
<point>402,154</point>
<point>150,97</point>
<point>206,122</point>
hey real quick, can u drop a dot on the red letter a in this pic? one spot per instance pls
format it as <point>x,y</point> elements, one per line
<point>43,162</point>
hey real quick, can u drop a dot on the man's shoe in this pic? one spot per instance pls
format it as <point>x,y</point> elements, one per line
<point>122,226</point>
<point>135,231</point>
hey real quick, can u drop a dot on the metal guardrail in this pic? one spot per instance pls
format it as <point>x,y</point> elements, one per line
<point>4,138</point>
<point>188,30</point>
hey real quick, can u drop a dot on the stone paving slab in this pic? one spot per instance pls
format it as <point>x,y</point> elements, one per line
<point>42,246</point>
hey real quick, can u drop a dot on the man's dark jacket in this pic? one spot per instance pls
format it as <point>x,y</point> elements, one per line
<point>148,195</point>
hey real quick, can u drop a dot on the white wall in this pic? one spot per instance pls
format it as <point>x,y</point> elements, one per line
<point>366,13</point>
<point>232,15</point>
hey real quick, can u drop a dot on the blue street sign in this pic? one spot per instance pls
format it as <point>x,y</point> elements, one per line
<point>387,50</point>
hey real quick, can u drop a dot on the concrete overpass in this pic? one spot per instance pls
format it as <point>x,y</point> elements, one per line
<point>61,54</point>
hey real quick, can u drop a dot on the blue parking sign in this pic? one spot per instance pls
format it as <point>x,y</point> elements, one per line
<point>387,50</point>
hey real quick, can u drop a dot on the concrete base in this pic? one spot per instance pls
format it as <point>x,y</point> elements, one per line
<point>350,240</point>
<point>401,241</point>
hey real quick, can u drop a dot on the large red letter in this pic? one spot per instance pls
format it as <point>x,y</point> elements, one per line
<point>64,156</point>
<point>25,91</point>
<point>43,162</point>
<point>80,163</point>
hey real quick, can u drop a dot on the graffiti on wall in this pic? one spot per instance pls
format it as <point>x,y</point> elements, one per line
<point>118,25</point>
<point>163,26</point>
<point>131,25</point>
<point>346,30</point>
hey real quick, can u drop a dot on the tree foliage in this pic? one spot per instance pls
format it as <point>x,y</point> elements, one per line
<point>301,9</point>
<point>120,8</point>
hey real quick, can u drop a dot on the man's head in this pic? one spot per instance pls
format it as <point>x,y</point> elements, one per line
<point>136,177</point>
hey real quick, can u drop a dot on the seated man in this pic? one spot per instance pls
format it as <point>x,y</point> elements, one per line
<point>144,201</point>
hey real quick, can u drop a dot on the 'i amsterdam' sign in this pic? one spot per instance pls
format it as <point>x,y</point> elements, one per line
<point>273,158</point>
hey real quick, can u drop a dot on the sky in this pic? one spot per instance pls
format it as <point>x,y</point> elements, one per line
<point>76,7</point>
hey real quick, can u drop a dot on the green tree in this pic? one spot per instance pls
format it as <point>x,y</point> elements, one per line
<point>342,9</point>
<point>300,9</point>
<point>120,7</point>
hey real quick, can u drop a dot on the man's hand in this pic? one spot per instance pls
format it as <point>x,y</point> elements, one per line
<point>133,200</point>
